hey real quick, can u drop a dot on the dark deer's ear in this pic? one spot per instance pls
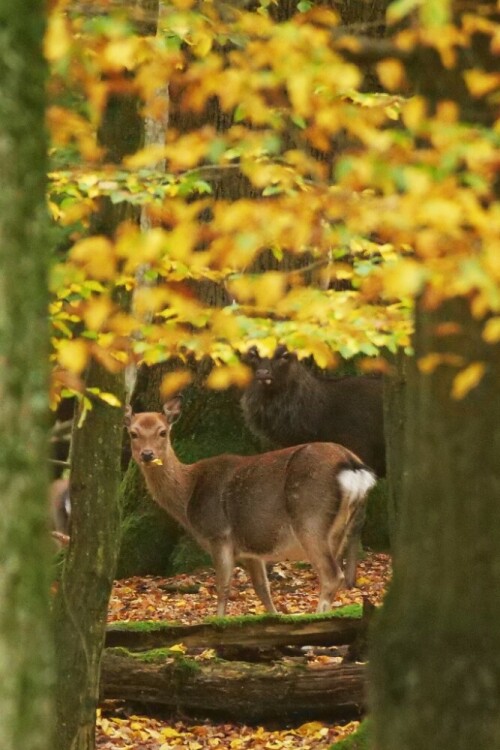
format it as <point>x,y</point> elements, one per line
<point>251,357</point>
<point>172,409</point>
<point>281,352</point>
<point>127,417</point>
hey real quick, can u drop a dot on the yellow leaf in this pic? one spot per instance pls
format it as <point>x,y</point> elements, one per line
<point>97,312</point>
<point>491,330</point>
<point>146,157</point>
<point>109,398</point>
<point>96,255</point>
<point>178,647</point>
<point>467,379</point>
<point>391,74</point>
<point>169,732</point>
<point>202,43</point>
<point>480,83</point>
<point>57,38</point>
<point>311,728</point>
<point>414,112</point>
<point>73,355</point>
<point>222,377</point>
<point>120,53</point>
<point>269,289</point>
<point>429,363</point>
<point>174,382</point>
<point>403,279</point>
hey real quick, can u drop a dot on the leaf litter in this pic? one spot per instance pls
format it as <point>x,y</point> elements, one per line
<point>190,598</point>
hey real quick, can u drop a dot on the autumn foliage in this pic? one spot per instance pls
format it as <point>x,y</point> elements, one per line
<point>364,200</point>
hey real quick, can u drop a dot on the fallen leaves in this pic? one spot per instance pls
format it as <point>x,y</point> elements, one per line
<point>294,588</point>
<point>188,599</point>
<point>140,733</point>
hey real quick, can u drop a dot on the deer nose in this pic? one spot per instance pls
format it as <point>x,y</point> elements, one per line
<point>147,455</point>
<point>263,374</point>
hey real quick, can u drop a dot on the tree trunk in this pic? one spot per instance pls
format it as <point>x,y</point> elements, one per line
<point>395,432</point>
<point>252,632</point>
<point>236,691</point>
<point>82,600</point>
<point>25,635</point>
<point>434,663</point>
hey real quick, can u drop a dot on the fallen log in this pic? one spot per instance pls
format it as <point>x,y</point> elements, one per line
<point>256,632</point>
<point>251,693</point>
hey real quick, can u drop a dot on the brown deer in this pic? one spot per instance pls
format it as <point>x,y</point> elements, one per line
<point>60,510</point>
<point>287,405</point>
<point>297,503</point>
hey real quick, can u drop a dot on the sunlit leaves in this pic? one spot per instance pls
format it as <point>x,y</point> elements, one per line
<point>387,195</point>
<point>467,379</point>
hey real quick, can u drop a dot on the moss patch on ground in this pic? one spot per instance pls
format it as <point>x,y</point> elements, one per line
<point>360,740</point>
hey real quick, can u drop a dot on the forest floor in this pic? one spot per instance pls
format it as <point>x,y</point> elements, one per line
<point>295,590</point>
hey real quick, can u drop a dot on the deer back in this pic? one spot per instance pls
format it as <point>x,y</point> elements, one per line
<point>264,503</point>
<point>288,405</point>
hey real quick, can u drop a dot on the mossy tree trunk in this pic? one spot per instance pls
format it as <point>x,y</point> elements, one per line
<point>435,663</point>
<point>82,601</point>
<point>435,669</point>
<point>25,632</point>
<point>395,392</point>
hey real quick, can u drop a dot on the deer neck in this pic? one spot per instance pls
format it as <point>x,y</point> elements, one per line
<point>170,485</point>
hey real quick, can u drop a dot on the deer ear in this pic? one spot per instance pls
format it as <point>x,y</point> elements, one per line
<point>281,352</point>
<point>251,357</point>
<point>172,409</point>
<point>127,417</point>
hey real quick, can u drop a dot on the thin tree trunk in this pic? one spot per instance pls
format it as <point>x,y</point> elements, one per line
<point>25,634</point>
<point>82,601</point>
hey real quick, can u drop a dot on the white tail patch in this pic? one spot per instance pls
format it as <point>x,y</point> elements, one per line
<point>356,482</point>
<point>67,505</point>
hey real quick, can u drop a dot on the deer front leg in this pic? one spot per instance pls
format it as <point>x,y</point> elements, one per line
<point>260,582</point>
<point>223,558</point>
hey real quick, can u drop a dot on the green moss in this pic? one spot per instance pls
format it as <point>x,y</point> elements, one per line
<point>360,740</point>
<point>141,626</point>
<point>188,556</point>
<point>350,610</point>
<point>158,656</point>
<point>148,533</point>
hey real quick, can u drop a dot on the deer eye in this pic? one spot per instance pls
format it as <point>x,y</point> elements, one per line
<point>162,433</point>
<point>133,435</point>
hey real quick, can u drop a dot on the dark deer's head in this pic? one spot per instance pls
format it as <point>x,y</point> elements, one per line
<point>269,372</point>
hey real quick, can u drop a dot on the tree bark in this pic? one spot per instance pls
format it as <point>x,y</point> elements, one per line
<point>435,668</point>
<point>395,392</point>
<point>331,631</point>
<point>26,653</point>
<point>235,690</point>
<point>82,600</point>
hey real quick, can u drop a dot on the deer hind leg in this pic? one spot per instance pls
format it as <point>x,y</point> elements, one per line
<point>260,582</point>
<point>223,559</point>
<point>353,542</point>
<point>326,566</point>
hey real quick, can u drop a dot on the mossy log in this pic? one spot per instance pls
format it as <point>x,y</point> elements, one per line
<point>258,632</point>
<point>252,693</point>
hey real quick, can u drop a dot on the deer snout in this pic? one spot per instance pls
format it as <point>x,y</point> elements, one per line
<point>147,455</point>
<point>264,375</point>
